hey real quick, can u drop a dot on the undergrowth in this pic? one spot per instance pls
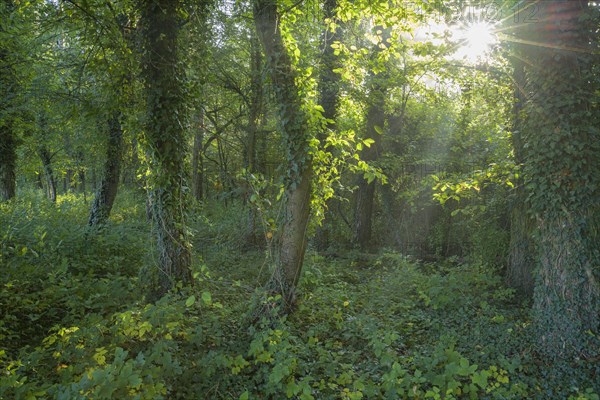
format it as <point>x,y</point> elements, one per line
<point>74,324</point>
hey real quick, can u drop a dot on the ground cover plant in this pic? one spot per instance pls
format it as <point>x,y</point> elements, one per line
<point>382,325</point>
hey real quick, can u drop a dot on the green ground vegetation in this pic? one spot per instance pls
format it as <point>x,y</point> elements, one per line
<point>74,323</point>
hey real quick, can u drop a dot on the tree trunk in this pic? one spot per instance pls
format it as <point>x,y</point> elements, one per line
<point>363,215</point>
<point>254,120</point>
<point>293,238</point>
<point>365,195</point>
<point>8,82</point>
<point>329,84</point>
<point>293,125</point>
<point>80,173</point>
<point>198,160</point>
<point>256,103</point>
<point>94,179</point>
<point>165,137</point>
<point>82,188</point>
<point>392,216</point>
<point>8,161</point>
<point>521,262</point>
<point>48,172</point>
<point>38,180</point>
<point>105,197</point>
<point>135,161</point>
<point>562,165</point>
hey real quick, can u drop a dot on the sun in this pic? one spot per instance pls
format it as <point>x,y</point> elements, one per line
<point>475,40</point>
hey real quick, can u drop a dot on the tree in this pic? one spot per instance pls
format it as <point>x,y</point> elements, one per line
<point>255,116</point>
<point>293,125</point>
<point>256,103</point>
<point>46,158</point>
<point>375,120</point>
<point>198,158</point>
<point>164,134</point>
<point>118,78</point>
<point>196,59</point>
<point>107,192</point>
<point>8,92</point>
<point>329,87</point>
<point>562,169</point>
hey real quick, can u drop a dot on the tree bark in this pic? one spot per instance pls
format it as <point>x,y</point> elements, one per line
<point>562,165</point>
<point>105,196</point>
<point>293,125</point>
<point>166,141</point>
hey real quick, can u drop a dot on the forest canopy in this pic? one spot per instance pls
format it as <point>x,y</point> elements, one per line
<point>274,199</point>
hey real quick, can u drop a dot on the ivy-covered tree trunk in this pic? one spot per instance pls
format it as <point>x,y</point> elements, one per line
<point>106,194</point>
<point>8,91</point>
<point>365,194</point>
<point>293,125</point>
<point>329,84</point>
<point>562,166</point>
<point>521,261</point>
<point>163,82</point>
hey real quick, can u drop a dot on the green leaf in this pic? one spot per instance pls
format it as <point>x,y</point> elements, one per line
<point>207,298</point>
<point>480,379</point>
<point>191,300</point>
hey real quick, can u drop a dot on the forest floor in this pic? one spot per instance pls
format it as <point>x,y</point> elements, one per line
<point>74,323</point>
